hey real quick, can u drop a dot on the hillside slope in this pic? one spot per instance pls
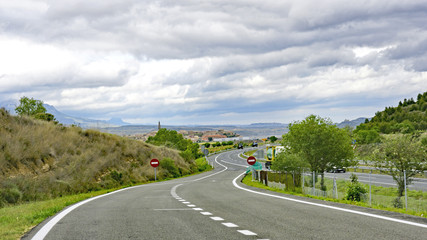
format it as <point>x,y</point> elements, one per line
<point>408,116</point>
<point>41,160</point>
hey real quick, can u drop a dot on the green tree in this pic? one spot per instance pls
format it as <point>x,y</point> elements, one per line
<point>288,162</point>
<point>398,154</point>
<point>171,139</point>
<point>46,117</point>
<point>367,136</point>
<point>273,139</point>
<point>30,107</point>
<point>322,144</point>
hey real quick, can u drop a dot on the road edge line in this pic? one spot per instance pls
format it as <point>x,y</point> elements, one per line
<point>327,206</point>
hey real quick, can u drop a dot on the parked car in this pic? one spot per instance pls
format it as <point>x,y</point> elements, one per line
<point>240,146</point>
<point>254,144</point>
<point>337,170</point>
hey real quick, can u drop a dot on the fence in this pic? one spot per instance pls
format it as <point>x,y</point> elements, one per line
<point>375,196</point>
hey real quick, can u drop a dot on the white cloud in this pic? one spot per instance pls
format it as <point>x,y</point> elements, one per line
<point>213,61</point>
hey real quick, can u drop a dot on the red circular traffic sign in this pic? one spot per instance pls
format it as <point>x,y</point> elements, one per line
<point>154,163</point>
<point>251,160</point>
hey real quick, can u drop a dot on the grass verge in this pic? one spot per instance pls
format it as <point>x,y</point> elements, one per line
<point>378,190</point>
<point>17,220</point>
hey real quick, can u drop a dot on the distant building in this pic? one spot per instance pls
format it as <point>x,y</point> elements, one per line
<point>216,136</point>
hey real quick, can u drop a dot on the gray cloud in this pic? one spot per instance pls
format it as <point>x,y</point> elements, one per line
<point>186,60</point>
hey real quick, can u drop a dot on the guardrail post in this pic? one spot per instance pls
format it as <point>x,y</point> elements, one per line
<point>314,183</point>
<point>370,192</point>
<point>406,193</point>
<point>302,176</point>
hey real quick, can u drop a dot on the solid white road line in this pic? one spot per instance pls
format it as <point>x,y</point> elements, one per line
<point>322,205</point>
<point>41,234</point>
<point>330,207</point>
<point>172,209</point>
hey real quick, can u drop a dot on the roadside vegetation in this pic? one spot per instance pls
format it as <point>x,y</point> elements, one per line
<point>393,142</point>
<point>386,202</point>
<point>16,220</point>
<point>42,160</point>
<point>215,147</point>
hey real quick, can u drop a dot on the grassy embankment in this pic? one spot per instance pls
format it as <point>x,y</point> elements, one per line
<point>19,219</point>
<point>385,202</point>
<point>41,163</point>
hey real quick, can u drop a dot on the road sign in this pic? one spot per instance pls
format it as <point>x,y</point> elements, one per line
<point>154,163</point>
<point>251,160</point>
<point>206,152</point>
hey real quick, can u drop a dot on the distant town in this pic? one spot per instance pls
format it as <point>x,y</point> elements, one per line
<point>197,136</point>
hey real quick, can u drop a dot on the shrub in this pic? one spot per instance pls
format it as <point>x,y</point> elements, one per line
<point>355,190</point>
<point>11,195</point>
<point>169,165</point>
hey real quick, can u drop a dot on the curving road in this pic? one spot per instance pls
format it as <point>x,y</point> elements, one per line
<point>216,205</point>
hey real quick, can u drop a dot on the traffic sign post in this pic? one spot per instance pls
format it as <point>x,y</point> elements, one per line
<point>251,160</point>
<point>154,163</point>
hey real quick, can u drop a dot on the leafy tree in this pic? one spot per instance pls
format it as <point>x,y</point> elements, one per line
<point>30,107</point>
<point>407,117</point>
<point>322,144</point>
<point>398,154</point>
<point>367,136</point>
<point>171,139</point>
<point>273,139</point>
<point>46,117</point>
<point>207,145</point>
<point>289,162</point>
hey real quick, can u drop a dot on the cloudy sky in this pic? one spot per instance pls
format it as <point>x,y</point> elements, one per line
<point>214,61</point>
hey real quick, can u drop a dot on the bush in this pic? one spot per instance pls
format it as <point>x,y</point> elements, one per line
<point>11,195</point>
<point>355,190</point>
<point>169,165</point>
<point>367,136</point>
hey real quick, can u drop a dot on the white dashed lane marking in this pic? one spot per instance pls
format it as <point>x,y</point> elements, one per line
<point>198,209</point>
<point>230,225</point>
<point>217,219</point>
<point>247,232</point>
<point>206,213</point>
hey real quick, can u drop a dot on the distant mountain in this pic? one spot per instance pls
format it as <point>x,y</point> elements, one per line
<point>268,125</point>
<point>65,119</point>
<point>353,123</point>
<point>83,122</point>
<point>117,121</point>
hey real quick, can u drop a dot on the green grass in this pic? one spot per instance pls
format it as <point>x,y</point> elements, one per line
<point>220,148</point>
<point>251,152</point>
<point>382,197</point>
<point>17,220</point>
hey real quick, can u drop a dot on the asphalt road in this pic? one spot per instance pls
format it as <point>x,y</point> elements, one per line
<point>216,205</point>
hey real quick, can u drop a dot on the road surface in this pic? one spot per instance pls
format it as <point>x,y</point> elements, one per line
<point>215,205</point>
